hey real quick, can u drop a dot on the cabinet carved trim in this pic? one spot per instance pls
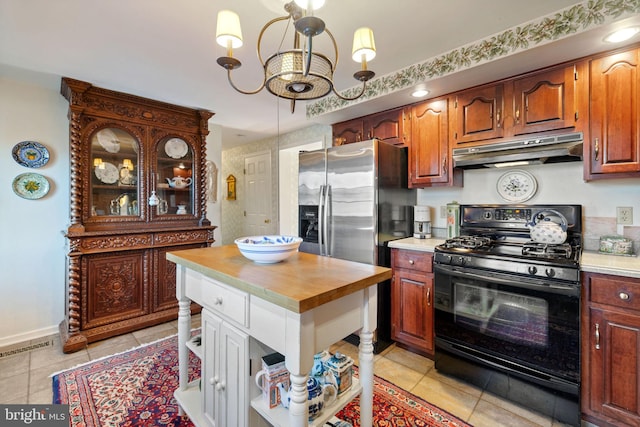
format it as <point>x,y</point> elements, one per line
<point>122,148</point>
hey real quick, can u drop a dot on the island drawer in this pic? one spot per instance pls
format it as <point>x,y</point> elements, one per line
<point>413,260</point>
<point>225,301</point>
<point>614,290</point>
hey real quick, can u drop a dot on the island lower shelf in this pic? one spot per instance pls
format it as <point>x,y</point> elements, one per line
<point>279,416</point>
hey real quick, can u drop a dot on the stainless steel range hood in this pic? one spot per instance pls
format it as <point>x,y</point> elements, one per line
<point>548,149</point>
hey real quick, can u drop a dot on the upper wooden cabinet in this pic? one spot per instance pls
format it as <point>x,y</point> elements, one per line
<point>539,102</point>
<point>137,191</point>
<point>389,126</point>
<point>429,154</point>
<point>613,149</point>
<point>545,101</point>
<point>479,114</point>
<point>348,132</point>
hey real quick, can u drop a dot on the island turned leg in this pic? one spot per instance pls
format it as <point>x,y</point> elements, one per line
<point>365,357</point>
<point>298,405</point>
<point>184,332</point>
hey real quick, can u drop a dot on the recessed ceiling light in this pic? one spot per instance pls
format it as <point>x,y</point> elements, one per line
<point>419,93</point>
<point>622,35</point>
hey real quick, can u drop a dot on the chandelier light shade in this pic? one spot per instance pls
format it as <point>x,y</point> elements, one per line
<point>228,32</point>
<point>299,72</point>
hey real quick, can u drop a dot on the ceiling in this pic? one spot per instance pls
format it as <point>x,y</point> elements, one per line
<point>166,50</point>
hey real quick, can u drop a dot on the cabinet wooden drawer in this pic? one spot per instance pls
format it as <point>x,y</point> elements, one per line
<point>614,290</point>
<point>225,301</point>
<point>413,260</point>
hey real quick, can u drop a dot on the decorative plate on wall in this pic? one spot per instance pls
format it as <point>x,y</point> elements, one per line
<point>516,186</point>
<point>30,185</point>
<point>30,154</point>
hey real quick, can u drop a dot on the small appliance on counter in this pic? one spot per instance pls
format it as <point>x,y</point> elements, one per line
<point>421,222</point>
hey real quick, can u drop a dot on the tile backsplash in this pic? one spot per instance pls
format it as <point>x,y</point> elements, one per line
<point>594,227</point>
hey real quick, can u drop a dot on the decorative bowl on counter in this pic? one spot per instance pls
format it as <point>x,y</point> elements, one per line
<point>268,249</point>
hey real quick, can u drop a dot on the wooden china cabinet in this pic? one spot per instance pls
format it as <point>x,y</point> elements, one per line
<point>137,192</point>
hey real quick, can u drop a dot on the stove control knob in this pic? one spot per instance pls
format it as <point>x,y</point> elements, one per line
<point>532,269</point>
<point>550,272</point>
<point>461,260</point>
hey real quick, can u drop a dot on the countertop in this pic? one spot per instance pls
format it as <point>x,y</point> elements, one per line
<point>593,262</point>
<point>300,283</point>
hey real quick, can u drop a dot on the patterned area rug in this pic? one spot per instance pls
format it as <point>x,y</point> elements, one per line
<point>135,388</point>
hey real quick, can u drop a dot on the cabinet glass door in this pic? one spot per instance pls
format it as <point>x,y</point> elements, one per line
<point>114,181</point>
<point>174,174</point>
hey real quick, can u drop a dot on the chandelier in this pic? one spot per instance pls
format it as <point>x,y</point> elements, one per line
<point>298,73</point>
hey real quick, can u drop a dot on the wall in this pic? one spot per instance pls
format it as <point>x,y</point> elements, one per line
<point>32,243</point>
<point>233,163</point>
<point>559,183</point>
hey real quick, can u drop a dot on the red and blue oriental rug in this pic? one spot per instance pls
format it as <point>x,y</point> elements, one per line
<point>135,388</point>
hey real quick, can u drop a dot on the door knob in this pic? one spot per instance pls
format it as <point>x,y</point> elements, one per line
<point>267,221</point>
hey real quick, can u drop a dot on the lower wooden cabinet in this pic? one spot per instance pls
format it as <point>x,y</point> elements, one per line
<point>121,282</point>
<point>610,350</point>
<point>412,300</point>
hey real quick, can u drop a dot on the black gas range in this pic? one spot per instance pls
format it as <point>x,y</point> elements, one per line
<point>507,308</point>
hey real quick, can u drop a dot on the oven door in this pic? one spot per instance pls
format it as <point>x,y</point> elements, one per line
<point>528,327</point>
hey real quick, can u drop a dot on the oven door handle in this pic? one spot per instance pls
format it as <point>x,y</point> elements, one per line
<point>504,279</point>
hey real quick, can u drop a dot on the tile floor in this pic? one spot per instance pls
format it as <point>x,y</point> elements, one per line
<point>25,378</point>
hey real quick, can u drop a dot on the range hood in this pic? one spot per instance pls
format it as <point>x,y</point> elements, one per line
<point>547,149</point>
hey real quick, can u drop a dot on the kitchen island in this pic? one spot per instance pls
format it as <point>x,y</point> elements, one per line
<point>297,307</point>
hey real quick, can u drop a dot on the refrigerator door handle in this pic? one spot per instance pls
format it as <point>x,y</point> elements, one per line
<point>327,215</point>
<point>321,223</point>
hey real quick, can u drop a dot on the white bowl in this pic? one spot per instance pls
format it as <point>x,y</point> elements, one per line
<point>268,249</point>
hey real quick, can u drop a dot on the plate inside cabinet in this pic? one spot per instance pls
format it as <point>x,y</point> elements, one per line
<point>107,173</point>
<point>176,148</point>
<point>31,185</point>
<point>108,140</point>
<point>30,154</point>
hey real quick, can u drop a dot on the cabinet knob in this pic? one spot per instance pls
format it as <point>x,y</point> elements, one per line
<point>213,380</point>
<point>596,150</point>
<point>411,262</point>
<point>217,301</point>
<point>623,296</point>
<point>220,386</point>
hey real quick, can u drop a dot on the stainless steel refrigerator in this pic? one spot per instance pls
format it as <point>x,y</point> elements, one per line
<point>353,199</point>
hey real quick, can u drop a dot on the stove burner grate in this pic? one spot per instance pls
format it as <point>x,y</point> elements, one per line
<point>467,242</point>
<point>545,250</point>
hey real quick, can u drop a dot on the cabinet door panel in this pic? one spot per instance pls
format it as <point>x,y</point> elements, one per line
<point>428,152</point>
<point>115,287</point>
<point>211,326</point>
<point>615,365</point>
<point>615,133</point>
<point>164,291</point>
<point>387,126</point>
<point>412,310</point>
<point>233,371</point>
<point>348,132</point>
<point>544,102</point>
<point>479,114</point>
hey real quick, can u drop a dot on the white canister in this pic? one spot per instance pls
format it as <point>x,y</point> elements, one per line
<point>453,219</point>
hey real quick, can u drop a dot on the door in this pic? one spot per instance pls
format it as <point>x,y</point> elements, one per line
<point>351,201</point>
<point>257,184</point>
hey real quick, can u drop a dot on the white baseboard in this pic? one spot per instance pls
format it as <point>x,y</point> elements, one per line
<point>28,336</point>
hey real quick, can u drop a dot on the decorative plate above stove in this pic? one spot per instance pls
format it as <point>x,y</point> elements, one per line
<point>516,186</point>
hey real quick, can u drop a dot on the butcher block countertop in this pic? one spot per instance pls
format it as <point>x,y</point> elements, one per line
<point>299,283</point>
